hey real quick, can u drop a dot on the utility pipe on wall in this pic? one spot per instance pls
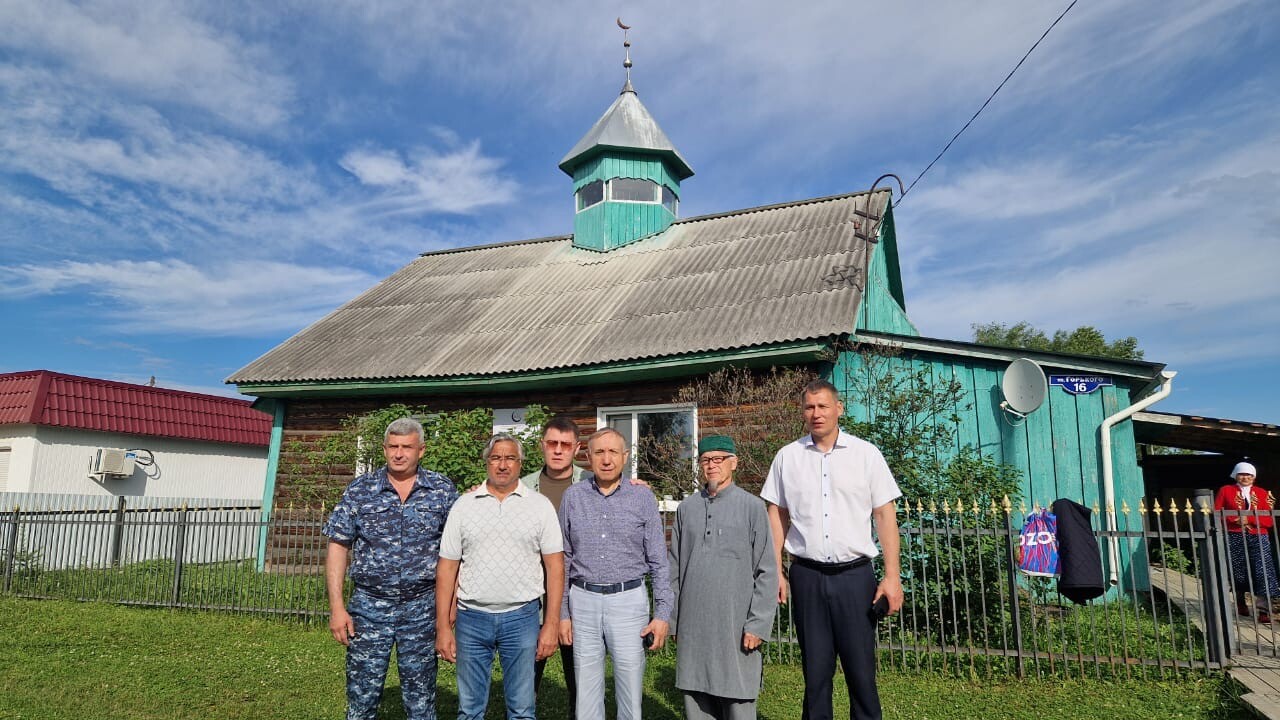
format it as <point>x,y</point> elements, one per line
<point>1108,472</point>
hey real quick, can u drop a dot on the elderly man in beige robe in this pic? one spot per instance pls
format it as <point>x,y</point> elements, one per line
<point>726,585</point>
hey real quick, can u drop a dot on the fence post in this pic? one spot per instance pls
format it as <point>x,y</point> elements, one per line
<point>117,533</point>
<point>11,551</point>
<point>179,546</point>
<point>1215,581</point>
<point>1013,589</point>
<point>1225,582</point>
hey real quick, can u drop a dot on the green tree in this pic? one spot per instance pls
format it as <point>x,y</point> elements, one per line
<point>908,416</point>
<point>952,544</point>
<point>1084,340</point>
<point>455,441</point>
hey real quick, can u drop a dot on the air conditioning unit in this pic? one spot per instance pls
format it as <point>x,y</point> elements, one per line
<point>112,461</point>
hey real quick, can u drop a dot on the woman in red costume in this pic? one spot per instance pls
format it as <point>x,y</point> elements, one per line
<point>1248,544</point>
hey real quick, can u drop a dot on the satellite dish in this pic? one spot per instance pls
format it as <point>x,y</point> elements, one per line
<point>1024,387</point>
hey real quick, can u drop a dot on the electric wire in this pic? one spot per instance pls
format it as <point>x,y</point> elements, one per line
<point>988,101</point>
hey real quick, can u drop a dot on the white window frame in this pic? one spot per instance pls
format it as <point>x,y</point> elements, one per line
<point>602,414</point>
<point>656,186</point>
<point>607,196</point>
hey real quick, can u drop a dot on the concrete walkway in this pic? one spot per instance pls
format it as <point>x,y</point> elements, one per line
<point>1257,664</point>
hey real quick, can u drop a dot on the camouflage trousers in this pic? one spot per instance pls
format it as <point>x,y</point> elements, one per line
<point>380,623</point>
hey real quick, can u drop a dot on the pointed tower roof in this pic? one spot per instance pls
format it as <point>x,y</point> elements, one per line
<point>626,125</point>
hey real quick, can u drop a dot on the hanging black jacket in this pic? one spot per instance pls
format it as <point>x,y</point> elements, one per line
<point>1079,559</point>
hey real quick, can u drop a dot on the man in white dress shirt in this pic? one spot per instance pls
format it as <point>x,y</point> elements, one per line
<point>823,491</point>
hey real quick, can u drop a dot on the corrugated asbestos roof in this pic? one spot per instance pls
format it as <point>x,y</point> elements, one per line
<point>736,280</point>
<point>626,125</point>
<point>41,397</point>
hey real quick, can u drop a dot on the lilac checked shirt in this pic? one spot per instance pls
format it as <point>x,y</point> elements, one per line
<point>615,538</point>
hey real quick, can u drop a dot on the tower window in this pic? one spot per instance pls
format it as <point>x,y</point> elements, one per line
<point>632,190</point>
<point>670,201</point>
<point>591,194</point>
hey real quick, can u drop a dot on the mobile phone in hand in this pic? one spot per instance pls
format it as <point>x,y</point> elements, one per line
<point>648,640</point>
<point>880,608</point>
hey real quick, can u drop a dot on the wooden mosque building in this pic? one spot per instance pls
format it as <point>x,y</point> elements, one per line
<point>605,323</point>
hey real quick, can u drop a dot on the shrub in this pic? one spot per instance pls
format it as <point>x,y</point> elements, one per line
<point>455,441</point>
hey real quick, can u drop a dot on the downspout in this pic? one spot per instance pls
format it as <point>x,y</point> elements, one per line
<point>1108,472</point>
<point>269,486</point>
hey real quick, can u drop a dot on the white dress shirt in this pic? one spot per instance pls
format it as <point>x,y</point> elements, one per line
<point>830,496</point>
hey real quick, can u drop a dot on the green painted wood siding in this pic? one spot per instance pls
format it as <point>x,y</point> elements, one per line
<point>1056,449</point>
<point>609,225</point>
<point>879,310</point>
<point>625,165</point>
<point>882,308</point>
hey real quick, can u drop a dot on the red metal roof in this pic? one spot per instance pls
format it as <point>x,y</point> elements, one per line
<point>41,397</point>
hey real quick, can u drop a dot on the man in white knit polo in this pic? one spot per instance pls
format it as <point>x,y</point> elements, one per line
<point>493,550</point>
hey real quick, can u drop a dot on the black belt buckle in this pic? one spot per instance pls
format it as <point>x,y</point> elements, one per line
<point>609,588</point>
<point>832,567</point>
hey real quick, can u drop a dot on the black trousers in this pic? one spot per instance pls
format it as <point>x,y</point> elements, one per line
<point>570,683</point>
<point>831,609</point>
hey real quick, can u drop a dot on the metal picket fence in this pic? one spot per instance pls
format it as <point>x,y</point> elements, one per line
<point>968,610</point>
<point>200,554</point>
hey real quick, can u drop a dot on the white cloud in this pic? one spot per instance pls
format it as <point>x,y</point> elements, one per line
<point>460,181</point>
<point>155,51</point>
<point>1181,254</point>
<point>127,174</point>
<point>1024,188</point>
<point>237,298</point>
<point>121,159</point>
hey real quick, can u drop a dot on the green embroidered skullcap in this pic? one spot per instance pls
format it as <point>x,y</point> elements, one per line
<point>723,443</point>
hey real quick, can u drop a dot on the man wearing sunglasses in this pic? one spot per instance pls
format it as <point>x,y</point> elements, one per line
<point>724,577</point>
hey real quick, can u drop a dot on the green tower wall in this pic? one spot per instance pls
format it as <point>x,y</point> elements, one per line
<point>612,224</point>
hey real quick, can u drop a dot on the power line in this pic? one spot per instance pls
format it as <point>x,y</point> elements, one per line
<point>989,99</point>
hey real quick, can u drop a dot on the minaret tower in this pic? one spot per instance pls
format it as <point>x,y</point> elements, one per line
<point>626,173</point>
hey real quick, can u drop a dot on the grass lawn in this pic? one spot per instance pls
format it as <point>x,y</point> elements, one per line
<point>84,661</point>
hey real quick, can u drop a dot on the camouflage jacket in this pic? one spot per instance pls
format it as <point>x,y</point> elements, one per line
<point>394,545</point>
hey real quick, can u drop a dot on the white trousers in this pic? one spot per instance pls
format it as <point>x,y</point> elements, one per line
<point>609,623</point>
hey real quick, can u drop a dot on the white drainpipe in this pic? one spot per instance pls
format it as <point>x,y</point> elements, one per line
<point>1108,473</point>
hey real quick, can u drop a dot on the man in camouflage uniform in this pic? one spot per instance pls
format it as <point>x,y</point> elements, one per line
<point>388,524</point>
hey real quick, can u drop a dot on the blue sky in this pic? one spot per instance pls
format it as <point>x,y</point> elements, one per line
<point>184,185</point>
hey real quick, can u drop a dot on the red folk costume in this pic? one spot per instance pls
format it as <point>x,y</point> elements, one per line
<point>1253,571</point>
<point>1234,497</point>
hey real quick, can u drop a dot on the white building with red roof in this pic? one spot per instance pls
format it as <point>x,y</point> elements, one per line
<point>67,434</point>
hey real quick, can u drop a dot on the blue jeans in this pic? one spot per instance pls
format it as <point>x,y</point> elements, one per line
<point>513,635</point>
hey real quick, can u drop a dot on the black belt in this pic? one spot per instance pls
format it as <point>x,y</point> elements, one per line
<point>608,589</point>
<point>830,567</point>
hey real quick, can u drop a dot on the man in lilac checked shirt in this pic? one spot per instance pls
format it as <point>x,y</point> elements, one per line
<point>612,538</point>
